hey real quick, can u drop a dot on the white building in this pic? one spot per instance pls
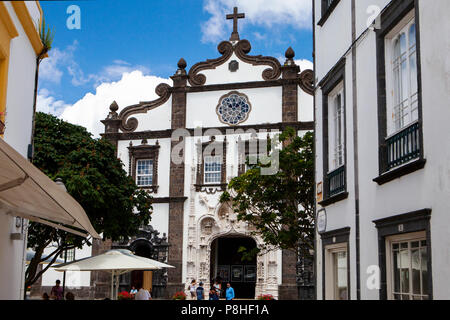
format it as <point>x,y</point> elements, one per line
<point>217,102</point>
<point>382,149</point>
<point>25,192</point>
<point>20,44</point>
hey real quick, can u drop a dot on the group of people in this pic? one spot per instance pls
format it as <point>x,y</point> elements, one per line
<point>197,292</point>
<point>141,294</point>
<point>57,293</point>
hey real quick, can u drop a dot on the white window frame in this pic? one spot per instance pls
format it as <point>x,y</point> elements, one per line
<point>144,175</point>
<point>219,161</point>
<point>409,237</point>
<point>401,111</point>
<point>336,128</point>
<point>330,270</point>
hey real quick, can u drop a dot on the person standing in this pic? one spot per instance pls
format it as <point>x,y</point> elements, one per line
<point>200,291</point>
<point>217,287</point>
<point>229,294</point>
<point>133,291</point>
<point>142,294</point>
<point>213,294</point>
<point>57,292</point>
<point>192,289</point>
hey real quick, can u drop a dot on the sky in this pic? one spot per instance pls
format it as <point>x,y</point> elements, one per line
<point>124,48</point>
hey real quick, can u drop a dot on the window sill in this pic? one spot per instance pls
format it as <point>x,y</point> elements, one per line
<point>336,198</point>
<point>400,171</point>
<point>150,189</point>
<point>327,13</point>
<point>210,188</point>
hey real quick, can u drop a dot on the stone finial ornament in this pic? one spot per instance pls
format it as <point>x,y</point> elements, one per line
<point>289,54</point>
<point>181,66</point>
<point>114,107</point>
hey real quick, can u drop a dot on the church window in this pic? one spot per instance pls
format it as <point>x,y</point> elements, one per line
<point>213,169</point>
<point>233,108</point>
<point>144,173</point>
<point>143,165</point>
<point>327,8</point>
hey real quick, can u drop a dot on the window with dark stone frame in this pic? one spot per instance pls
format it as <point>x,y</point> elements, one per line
<point>244,151</point>
<point>401,153</point>
<point>334,182</point>
<point>327,7</point>
<point>144,152</point>
<point>218,149</point>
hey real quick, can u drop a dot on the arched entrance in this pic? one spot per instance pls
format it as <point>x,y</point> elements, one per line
<point>229,263</point>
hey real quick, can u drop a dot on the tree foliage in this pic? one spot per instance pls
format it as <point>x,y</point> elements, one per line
<point>279,206</point>
<point>94,177</point>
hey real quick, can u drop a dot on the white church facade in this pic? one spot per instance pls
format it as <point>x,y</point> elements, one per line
<point>382,149</point>
<point>188,144</point>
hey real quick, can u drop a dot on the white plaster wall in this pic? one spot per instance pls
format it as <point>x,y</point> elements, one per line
<point>266,106</point>
<point>245,73</point>
<point>156,119</point>
<point>19,108</point>
<point>74,279</point>
<point>336,30</point>
<point>426,188</point>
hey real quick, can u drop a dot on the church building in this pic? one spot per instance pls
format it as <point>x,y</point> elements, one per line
<point>184,148</point>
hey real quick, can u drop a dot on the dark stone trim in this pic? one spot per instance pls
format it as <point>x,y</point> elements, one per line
<point>391,16</point>
<point>168,199</point>
<point>339,197</point>
<point>340,236</point>
<point>400,171</point>
<point>335,76</point>
<point>144,152</point>
<point>211,188</point>
<point>412,222</point>
<point>241,49</point>
<point>356,153</point>
<point>161,134</point>
<point>326,12</point>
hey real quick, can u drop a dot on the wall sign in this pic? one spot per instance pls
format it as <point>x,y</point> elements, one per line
<point>321,220</point>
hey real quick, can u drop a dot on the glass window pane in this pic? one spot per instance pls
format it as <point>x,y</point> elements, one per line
<point>404,271</point>
<point>340,272</point>
<point>424,265</point>
<point>396,271</point>
<point>415,267</point>
<point>412,35</point>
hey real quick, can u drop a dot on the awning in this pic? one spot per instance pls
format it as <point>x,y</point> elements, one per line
<point>27,192</point>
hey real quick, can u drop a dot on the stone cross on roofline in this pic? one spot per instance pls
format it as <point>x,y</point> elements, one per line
<point>235,16</point>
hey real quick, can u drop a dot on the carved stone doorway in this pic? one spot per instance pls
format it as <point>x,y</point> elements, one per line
<point>229,263</point>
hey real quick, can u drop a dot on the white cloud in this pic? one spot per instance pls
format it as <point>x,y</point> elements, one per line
<point>93,107</point>
<point>60,62</point>
<point>45,102</point>
<point>266,13</point>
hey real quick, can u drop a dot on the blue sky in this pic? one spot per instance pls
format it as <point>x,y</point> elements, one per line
<point>119,36</point>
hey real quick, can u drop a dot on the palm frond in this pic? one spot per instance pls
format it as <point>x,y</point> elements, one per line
<point>46,35</point>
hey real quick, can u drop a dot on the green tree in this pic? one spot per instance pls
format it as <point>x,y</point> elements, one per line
<point>95,178</point>
<point>280,206</point>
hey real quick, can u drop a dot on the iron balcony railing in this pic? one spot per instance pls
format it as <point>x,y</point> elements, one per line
<point>336,181</point>
<point>403,146</point>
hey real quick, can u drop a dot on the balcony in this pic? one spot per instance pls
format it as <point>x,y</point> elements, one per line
<point>401,154</point>
<point>403,146</point>
<point>336,181</point>
<point>335,187</point>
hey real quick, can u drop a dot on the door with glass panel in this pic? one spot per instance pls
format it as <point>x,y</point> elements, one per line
<point>408,270</point>
<point>337,269</point>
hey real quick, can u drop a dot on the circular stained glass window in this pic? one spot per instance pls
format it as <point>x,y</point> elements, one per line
<point>233,108</point>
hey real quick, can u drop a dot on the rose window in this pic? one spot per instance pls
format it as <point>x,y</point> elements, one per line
<point>233,108</point>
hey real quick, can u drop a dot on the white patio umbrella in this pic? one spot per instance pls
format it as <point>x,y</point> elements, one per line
<point>117,262</point>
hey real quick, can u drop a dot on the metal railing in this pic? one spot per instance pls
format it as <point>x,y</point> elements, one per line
<point>403,146</point>
<point>336,181</point>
